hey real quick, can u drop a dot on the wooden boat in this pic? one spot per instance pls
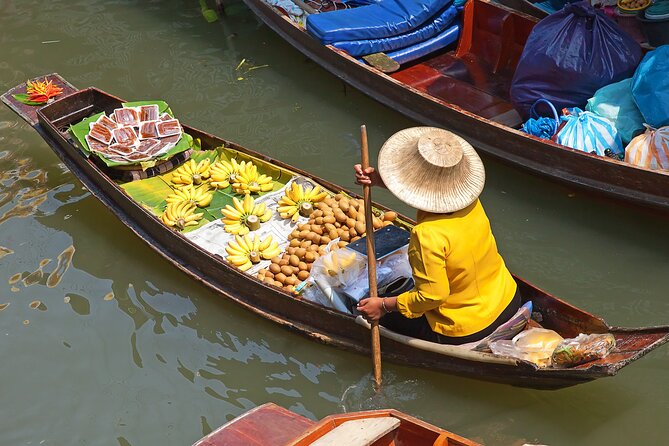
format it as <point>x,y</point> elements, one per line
<point>466,90</point>
<point>525,6</point>
<point>272,424</point>
<point>317,322</point>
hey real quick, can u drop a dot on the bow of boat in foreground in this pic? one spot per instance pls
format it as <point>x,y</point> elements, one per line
<point>272,424</point>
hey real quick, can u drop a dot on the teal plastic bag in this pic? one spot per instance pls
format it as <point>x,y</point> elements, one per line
<point>615,102</point>
<point>650,87</point>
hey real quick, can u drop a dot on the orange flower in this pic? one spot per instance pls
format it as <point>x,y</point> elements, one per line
<point>42,91</point>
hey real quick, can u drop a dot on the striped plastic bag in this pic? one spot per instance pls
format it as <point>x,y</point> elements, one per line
<point>650,150</point>
<point>590,133</point>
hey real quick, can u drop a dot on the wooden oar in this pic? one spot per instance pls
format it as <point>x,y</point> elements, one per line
<point>371,258</point>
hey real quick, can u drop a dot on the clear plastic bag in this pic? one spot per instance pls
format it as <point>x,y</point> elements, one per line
<point>388,269</point>
<point>535,345</point>
<point>341,279</point>
<point>330,273</point>
<point>583,348</point>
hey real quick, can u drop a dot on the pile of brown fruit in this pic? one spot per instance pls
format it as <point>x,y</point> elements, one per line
<point>339,217</point>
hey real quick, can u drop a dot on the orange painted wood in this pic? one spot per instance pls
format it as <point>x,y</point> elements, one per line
<point>268,424</point>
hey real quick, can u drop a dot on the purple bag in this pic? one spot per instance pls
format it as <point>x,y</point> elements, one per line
<point>570,55</point>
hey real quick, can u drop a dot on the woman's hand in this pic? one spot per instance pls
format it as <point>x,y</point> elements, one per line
<point>367,177</point>
<point>371,308</point>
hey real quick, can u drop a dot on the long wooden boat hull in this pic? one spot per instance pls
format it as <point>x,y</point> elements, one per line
<point>271,424</point>
<point>314,321</point>
<point>526,7</point>
<point>598,174</point>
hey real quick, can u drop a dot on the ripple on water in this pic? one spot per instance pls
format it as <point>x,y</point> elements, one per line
<point>6,125</point>
<point>393,392</point>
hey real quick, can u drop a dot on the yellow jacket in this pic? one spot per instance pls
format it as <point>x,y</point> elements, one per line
<point>462,284</point>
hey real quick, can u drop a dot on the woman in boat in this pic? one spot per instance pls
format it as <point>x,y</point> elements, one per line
<point>463,290</point>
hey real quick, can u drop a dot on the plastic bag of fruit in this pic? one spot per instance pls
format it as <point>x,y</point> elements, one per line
<point>583,348</point>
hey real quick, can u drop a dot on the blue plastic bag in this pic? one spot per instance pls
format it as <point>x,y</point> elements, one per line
<point>615,103</point>
<point>650,87</point>
<point>541,126</point>
<point>590,133</point>
<point>569,55</point>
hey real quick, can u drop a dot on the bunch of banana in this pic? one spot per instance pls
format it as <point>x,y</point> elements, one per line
<point>296,201</point>
<point>338,261</point>
<point>191,173</point>
<point>181,214</point>
<point>200,196</point>
<point>249,181</point>
<point>245,216</point>
<point>243,252</point>
<point>224,173</point>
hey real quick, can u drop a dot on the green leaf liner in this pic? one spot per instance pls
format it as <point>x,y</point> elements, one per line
<point>23,98</point>
<point>152,192</point>
<point>81,129</point>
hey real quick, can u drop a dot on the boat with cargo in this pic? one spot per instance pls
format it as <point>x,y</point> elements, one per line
<point>139,199</point>
<point>464,87</point>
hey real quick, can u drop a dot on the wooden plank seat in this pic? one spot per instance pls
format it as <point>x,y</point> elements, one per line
<point>362,432</point>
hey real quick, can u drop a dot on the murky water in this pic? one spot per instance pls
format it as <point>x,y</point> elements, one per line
<point>105,343</point>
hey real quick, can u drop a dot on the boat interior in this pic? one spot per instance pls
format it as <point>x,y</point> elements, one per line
<point>378,428</point>
<point>476,76</point>
<point>475,72</point>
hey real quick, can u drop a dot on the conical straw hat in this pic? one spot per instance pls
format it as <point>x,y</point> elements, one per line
<point>431,169</point>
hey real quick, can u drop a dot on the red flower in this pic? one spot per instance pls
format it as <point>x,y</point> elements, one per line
<point>42,91</point>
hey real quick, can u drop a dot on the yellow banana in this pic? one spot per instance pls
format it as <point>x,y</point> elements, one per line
<point>181,214</point>
<point>223,173</point>
<point>244,252</point>
<point>192,173</point>
<point>245,216</point>
<point>296,201</point>
<point>249,181</point>
<point>199,196</point>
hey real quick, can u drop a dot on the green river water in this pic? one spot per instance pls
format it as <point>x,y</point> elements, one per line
<point>126,350</point>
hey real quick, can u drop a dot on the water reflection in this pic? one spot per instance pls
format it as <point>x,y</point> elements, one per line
<point>23,186</point>
<point>64,262</point>
<point>5,251</point>
<point>169,358</point>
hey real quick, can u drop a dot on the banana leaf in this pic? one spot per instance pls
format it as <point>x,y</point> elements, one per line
<point>152,192</point>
